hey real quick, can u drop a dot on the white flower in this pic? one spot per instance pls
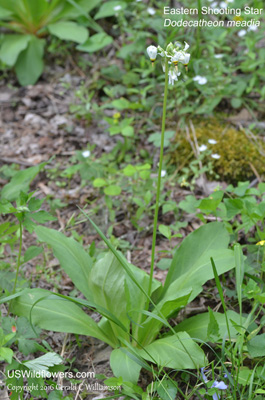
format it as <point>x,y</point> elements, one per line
<point>152,52</point>
<point>230,1</point>
<point>86,153</point>
<point>185,61</point>
<point>151,11</point>
<point>218,55</point>
<point>178,55</point>
<point>172,76</point>
<point>117,8</point>
<point>186,46</point>
<point>212,141</point>
<point>216,156</point>
<point>242,33</point>
<point>253,28</point>
<point>223,4</point>
<point>202,80</point>
<point>163,173</point>
<point>203,147</point>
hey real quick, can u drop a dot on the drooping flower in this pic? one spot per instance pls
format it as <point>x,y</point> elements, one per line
<point>212,141</point>
<point>151,10</point>
<point>253,28</point>
<point>163,173</point>
<point>186,47</point>
<point>185,61</point>
<point>152,52</point>
<point>215,156</point>
<point>172,76</point>
<point>203,147</point>
<point>242,33</point>
<point>176,58</point>
<point>202,80</point>
<point>86,153</point>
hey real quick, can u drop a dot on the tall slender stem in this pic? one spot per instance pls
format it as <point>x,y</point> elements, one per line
<point>159,179</point>
<point>19,256</point>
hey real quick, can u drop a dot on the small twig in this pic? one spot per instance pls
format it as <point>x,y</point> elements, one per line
<point>255,172</point>
<point>16,161</point>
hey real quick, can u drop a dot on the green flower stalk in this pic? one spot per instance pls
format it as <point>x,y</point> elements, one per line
<point>171,57</point>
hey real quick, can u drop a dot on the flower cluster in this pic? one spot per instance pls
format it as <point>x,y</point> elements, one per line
<point>174,54</point>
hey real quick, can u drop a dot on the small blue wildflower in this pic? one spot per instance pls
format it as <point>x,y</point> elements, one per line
<point>218,385</point>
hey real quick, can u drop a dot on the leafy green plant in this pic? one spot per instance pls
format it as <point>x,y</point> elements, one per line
<point>31,21</point>
<point>118,291</point>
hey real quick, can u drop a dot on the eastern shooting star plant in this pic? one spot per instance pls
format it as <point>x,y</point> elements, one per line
<point>133,305</point>
<point>171,57</point>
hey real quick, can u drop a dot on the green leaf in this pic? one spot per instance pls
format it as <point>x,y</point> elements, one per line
<point>178,351</point>
<point>112,190</point>
<point>42,217</point>
<point>12,46</point>
<point>172,302</point>
<point>128,131</point>
<point>108,9</point>
<point>236,103</point>
<point>136,300</point>
<point>121,103</point>
<point>213,331</point>
<point>32,252</point>
<point>256,346</point>
<point>20,182</point>
<point>195,251</point>
<point>73,258</point>
<point>155,138</point>
<point>165,230</point>
<point>42,363</point>
<point>68,30</point>
<point>122,365</point>
<point>29,65</point>
<point>107,286</point>
<point>167,389</point>
<point>129,170</point>
<point>197,326</point>
<point>57,315</point>
<point>95,42</point>
<point>4,13</point>
<point>6,354</point>
<point>99,182</point>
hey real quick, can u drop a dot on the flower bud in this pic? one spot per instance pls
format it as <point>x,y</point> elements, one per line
<point>152,52</point>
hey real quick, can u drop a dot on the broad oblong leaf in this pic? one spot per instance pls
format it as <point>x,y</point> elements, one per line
<point>107,284</point>
<point>29,65</point>
<point>57,315</point>
<point>20,182</point>
<point>193,249</point>
<point>95,42</point>
<point>202,271</point>
<point>170,303</point>
<point>73,258</point>
<point>197,326</point>
<point>178,351</point>
<point>12,46</point>
<point>108,9</point>
<point>68,30</point>
<point>122,365</point>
